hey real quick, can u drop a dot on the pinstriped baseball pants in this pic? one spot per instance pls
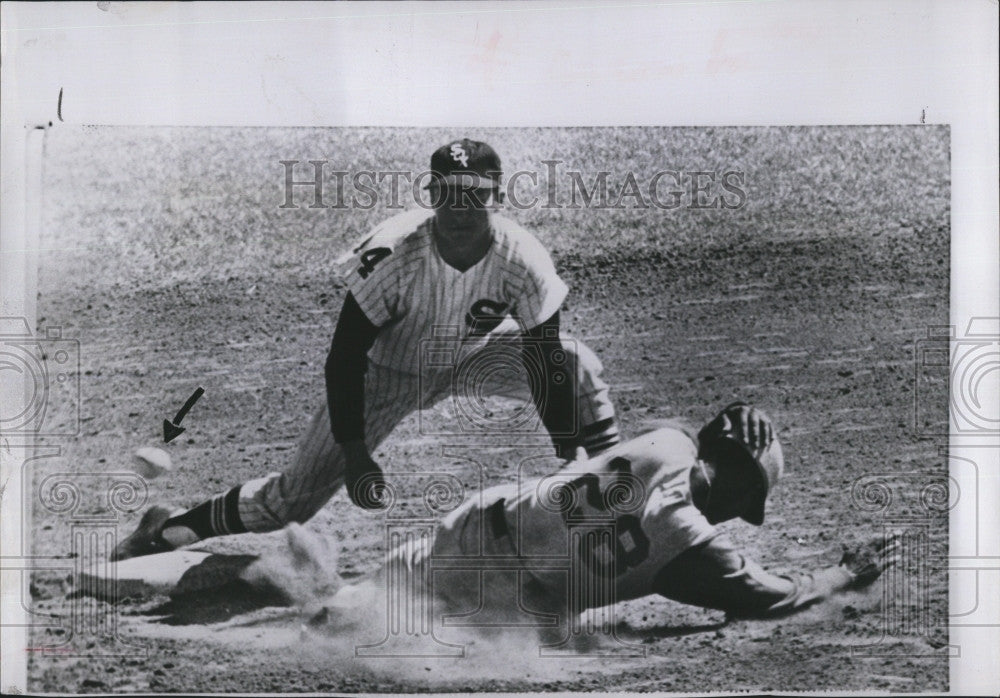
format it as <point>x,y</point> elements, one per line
<point>317,471</point>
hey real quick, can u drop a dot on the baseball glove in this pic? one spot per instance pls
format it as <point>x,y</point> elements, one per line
<point>367,487</point>
<point>867,562</point>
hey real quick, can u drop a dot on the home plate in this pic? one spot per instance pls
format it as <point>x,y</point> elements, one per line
<point>165,574</point>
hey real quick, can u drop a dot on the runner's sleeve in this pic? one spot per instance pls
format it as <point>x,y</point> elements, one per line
<point>346,365</point>
<point>715,575</point>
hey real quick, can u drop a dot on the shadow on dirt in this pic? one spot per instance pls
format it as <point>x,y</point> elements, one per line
<point>216,605</point>
<point>211,591</point>
<point>625,632</point>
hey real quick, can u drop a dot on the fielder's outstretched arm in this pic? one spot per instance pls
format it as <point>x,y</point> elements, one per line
<point>554,392</point>
<point>716,575</point>
<point>346,365</point>
<point>345,370</point>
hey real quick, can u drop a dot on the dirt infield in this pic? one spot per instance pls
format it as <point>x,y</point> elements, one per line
<point>170,258</point>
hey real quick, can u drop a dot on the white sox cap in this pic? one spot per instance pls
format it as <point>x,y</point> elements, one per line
<point>468,163</point>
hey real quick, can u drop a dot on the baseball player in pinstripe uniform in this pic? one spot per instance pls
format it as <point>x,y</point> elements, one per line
<point>460,272</point>
<point>636,520</point>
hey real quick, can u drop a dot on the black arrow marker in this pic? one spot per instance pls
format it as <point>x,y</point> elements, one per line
<point>171,430</point>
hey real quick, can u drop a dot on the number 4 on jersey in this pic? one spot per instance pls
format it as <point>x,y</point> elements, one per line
<point>370,258</point>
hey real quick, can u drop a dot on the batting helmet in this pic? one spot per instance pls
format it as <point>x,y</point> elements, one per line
<point>770,462</point>
<point>718,442</point>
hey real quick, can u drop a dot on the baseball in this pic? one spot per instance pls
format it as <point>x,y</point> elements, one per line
<point>151,462</point>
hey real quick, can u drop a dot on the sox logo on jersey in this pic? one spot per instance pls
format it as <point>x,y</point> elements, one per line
<point>484,316</point>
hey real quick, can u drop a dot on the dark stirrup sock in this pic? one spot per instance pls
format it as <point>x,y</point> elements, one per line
<point>218,516</point>
<point>600,436</point>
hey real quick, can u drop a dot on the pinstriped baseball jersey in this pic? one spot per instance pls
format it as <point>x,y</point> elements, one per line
<point>404,286</point>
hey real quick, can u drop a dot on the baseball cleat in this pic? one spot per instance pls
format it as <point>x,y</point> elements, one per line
<point>147,539</point>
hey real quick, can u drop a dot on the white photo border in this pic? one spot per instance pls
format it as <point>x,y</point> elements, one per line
<point>830,62</point>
